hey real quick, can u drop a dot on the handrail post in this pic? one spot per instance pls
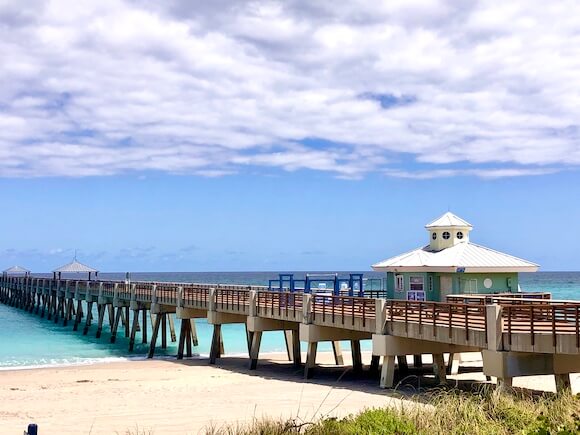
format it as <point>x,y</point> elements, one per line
<point>133,292</point>
<point>154,294</point>
<point>179,301</point>
<point>212,299</point>
<point>307,308</point>
<point>494,326</point>
<point>253,307</point>
<point>380,316</point>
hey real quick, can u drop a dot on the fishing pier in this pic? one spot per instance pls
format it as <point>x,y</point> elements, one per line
<point>518,335</point>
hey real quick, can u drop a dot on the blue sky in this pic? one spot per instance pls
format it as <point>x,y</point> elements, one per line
<point>268,135</point>
<point>297,221</point>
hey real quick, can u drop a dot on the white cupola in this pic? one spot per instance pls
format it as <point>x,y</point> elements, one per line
<point>447,231</point>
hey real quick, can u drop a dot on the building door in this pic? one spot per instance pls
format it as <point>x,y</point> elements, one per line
<point>416,289</point>
<point>446,286</point>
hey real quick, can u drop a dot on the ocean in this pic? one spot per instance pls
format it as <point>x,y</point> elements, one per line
<point>28,341</point>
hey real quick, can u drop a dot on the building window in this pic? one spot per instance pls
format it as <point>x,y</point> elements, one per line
<point>434,236</point>
<point>416,283</point>
<point>468,286</point>
<point>459,235</point>
<point>399,283</point>
<point>430,284</point>
<point>446,235</point>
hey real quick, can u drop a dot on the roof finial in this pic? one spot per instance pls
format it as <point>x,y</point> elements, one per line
<point>75,259</point>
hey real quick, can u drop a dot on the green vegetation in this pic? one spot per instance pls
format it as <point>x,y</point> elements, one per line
<point>454,412</point>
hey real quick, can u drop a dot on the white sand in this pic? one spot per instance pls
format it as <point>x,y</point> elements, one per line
<point>185,397</point>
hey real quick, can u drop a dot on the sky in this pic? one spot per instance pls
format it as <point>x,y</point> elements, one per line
<point>295,135</point>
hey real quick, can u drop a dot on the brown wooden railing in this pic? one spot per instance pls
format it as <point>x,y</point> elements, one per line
<point>438,314</point>
<point>333,307</point>
<point>506,298</point>
<point>166,293</point>
<point>548,318</point>
<point>283,303</point>
<point>232,299</point>
<point>194,296</point>
<point>144,291</point>
<point>108,289</point>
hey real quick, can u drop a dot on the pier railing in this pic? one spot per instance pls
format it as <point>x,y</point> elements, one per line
<point>166,293</point>
<point>280,305</point>
<point>144,291</point>
<point>503,298</point>
<point>547,319</point>
<point>232,300</point>
<point>435,315</point>
<point>195,296</point>
<point>348,311</point>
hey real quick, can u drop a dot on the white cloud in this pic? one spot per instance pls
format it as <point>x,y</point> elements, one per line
<point>101,88</point>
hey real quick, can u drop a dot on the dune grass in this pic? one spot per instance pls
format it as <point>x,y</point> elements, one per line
<point>446,412</point>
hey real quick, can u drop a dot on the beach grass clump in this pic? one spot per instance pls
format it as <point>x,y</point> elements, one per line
<point>486,412</point>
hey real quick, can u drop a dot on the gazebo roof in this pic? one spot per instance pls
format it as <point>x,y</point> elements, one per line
<point>16,269</point>
<point>75,267</point>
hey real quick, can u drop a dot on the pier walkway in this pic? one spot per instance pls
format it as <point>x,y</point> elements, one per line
<point>516,336</point>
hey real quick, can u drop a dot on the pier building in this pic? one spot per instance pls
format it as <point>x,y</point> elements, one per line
<point>450,264</point>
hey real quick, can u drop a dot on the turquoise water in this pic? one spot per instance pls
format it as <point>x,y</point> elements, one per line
<point>26,340</point>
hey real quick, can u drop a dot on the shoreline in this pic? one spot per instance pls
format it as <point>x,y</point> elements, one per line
<point>169,396</point>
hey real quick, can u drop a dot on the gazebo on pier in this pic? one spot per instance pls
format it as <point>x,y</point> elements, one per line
<point>75,267</point>
<point>16,270</point>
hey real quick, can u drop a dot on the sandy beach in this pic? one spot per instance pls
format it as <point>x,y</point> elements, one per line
<point>171,397</point>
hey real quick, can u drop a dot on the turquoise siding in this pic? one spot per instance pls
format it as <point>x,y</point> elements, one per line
<point>461,283</point>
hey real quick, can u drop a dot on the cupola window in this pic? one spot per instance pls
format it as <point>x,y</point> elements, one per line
<point>446,235</point>
<point>459,235</point>
<point>434,236</point>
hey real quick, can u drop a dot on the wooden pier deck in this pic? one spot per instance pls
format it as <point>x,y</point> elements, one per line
<point>516,336</point>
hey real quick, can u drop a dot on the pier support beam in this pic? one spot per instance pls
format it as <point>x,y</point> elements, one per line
<point>418,361</point>
<point>257,325</point>
<point>156,325</point>
<point>337,352</point>
<point>144,326</point>
<point>101,310</point>
<point>78,315</point>
<point>390,346</point>
<point>439,368</point>
<point>388,372</point>
<point>357,364</point>
<point>216,344</point>
<point>115,326</point>
<point>507,365</point>
<point>89,317</point>
<point>255,349</point>
<point>310,360</point>
<point>134,330</point>
<point>313,334</point>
